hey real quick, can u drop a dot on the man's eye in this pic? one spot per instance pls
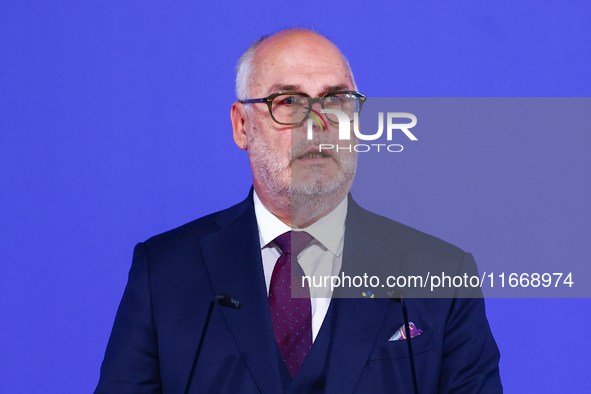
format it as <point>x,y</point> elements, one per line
<point>333,99</point>
<point>289,100</point>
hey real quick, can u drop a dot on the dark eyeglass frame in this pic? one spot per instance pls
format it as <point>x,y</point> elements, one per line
<point>311,100</point>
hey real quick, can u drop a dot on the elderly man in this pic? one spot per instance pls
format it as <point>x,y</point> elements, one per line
<point>300,219</point>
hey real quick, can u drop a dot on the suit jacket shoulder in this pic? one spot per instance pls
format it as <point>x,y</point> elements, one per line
<point>409,237</point>
<point>189,234</point>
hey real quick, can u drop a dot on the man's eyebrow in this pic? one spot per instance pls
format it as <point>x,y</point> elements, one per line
<point>278,87</point>
<point>336,88</point>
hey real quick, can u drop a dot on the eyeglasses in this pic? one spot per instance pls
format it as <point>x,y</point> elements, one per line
<point>293,108</point>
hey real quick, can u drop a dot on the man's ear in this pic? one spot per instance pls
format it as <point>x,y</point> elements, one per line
<point>238,116</point>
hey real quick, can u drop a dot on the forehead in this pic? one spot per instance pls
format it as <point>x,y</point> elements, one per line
<point>304,62</point>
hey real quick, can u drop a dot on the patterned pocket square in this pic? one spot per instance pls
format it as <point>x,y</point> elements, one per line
<point>401,333</point>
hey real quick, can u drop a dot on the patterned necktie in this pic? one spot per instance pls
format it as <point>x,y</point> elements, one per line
<point>292,317</point>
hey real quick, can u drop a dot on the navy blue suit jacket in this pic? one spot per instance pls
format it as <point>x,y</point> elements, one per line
<point>175,275</point>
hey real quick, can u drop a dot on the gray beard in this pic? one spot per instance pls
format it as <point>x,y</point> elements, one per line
<point>306,199</point>
<point>311,199</point>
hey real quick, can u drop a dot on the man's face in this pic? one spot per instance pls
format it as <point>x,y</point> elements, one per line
<point>282,159</point>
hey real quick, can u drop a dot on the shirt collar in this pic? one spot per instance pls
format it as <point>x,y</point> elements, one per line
<point>328,230</point>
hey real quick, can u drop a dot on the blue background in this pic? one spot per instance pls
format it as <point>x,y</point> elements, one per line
<point>114,126</point>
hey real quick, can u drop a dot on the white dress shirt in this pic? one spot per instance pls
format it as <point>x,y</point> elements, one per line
<point>323,257</point>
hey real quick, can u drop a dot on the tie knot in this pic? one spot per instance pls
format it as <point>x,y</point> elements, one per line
<point>293,241</point>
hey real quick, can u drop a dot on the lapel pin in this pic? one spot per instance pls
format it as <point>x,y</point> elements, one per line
<point>368,294</point>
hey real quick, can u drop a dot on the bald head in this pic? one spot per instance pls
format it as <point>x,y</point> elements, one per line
<point>288,51</point>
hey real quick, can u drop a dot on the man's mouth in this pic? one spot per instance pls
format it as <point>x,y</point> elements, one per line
<point>313,155</point>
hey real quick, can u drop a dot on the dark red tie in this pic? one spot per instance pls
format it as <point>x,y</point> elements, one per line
<point>292,317</point>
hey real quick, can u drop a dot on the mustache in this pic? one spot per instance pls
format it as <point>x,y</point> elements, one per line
<point>297,147</point>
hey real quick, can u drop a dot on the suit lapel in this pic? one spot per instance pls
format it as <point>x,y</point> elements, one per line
<point>234,263</point>
<point>357,319</point>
